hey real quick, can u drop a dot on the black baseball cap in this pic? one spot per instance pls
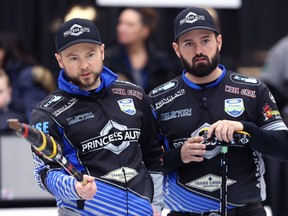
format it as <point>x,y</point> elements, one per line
<point>76,31</point>
<point>193,18</point>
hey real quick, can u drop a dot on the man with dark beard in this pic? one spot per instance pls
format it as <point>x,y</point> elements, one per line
<point>104,127</point>
<point>229,107</point>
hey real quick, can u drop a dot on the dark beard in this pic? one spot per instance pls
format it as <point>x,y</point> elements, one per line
<point>82,84</point>
<point>202,69</point>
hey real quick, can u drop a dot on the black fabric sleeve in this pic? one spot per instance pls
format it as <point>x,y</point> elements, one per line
<point>172,160</point>
<point>271,143</point>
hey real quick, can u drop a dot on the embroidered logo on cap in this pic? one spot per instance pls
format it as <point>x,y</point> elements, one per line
<point>191,18</point>
<point>76,30</point>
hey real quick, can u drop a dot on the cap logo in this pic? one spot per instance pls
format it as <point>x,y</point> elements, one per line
<point>191,18</point>
<point>76,30</point>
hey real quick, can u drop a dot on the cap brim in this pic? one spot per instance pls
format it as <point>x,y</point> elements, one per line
<point>78,41</point>
<point>194,28</point>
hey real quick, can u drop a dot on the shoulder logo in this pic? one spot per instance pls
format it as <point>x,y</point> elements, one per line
<point>237,78</point>
<point>52,101</point>
<point>166,86</point>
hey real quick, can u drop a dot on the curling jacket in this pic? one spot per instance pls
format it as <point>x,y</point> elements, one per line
<point>184,108</point>
<point>110,134</point>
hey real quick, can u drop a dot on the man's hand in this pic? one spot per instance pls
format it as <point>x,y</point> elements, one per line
<point>87,191</point>
<point>193,149</point>
<point>224,130</point>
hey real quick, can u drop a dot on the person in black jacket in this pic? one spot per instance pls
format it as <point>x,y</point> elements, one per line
<point>104,127</point>
<point>134,57</point>
<point>229,107</point>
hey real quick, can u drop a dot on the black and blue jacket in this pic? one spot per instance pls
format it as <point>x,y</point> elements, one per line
<point>110,134</point>
<point>184,108</point>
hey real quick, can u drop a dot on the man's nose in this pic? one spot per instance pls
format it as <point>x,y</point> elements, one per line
<point>198,49</point>
<point>84,64</point>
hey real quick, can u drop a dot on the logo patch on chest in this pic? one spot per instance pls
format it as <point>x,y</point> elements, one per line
<point>209,183</point>
<point>124,174</point>
<point>127,106</point>
<point>234,106</point>
<point>113,137</point>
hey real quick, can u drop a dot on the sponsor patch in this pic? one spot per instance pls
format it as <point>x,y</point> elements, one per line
<point>52,101</point>
<point>234,106</point>
<point>161,89</point>
<point>119,91</point>
<point>69,104</point>
<point>79,118</point>
<point>231,89</point>
<point>269,113</point>
<point>113,137</point>
<point>127,106</point>
<point>169,98</point>
<point>236,90</point>
<point>209,183</point>
<point>176,114</point>
<point>130,92</point>
<point>135,93</point>
<point>123,174</point>
<point>248,92</point>
<point>237,78</point>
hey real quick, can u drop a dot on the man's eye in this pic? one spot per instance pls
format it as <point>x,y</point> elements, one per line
<point>73,59</point>
<point>206,41</point>
<point>90,55</point>
<point>188,44</point>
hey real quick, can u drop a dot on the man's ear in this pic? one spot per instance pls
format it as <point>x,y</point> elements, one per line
<point>102,50</point>
<point>59,60</point>
<point>219,42</point>
<point>176,49</point>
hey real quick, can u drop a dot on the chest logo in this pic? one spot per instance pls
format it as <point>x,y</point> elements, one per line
<point>234,106</point>
<point>209,183</point>
<point>124,174</point>
<point>127,106</point>
<point>113,137</point>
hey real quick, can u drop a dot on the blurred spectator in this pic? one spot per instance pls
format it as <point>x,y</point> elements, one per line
<point>275,75</point>
<point>30,82</point>
<point>135,58</point>
<point>8,110</point>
